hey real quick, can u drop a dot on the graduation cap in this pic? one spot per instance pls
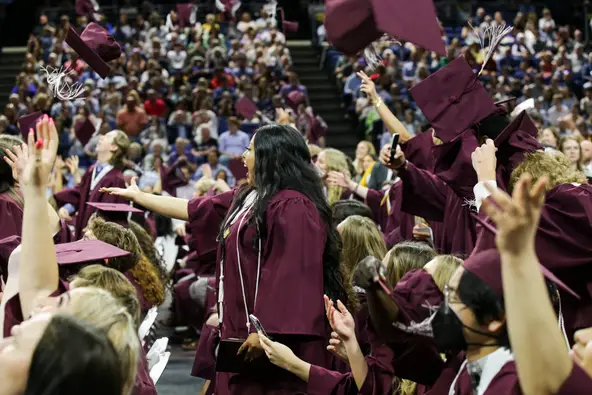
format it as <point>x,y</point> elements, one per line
<point>287,26</point>
<point>96,46</point>
<point>453,99</point>
<point>28,122</point>
<point>114,212</point>
<point>84,131</point>
<point>353,24</point>
<point>187,13</point>
<point>487,266</point>
<point>87,251</point>
<point>246,108</point>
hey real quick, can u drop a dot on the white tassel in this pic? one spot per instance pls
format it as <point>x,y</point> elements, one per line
<point>220,6</point>
<point>235,8</point>
<point>372,57</point>
<point>271,10</point>
<point>495,34</point>
<point>423,328</point>
<point>169,23</point>
<point>57,81</point>
<point>193,15</point>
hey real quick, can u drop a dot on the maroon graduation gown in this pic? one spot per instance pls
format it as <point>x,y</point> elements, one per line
<point>11,216</point>
<point>563,246</point>
<point>418,150</point>
<point>426,195</point>
<point>578,383</point>
<point>82,193</point>
<point>286,269</point>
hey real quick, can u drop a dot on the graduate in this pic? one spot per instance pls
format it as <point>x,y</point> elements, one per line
<point>106,172</point>
<point>262,265</point>
<point>548,369</point>
<point>38,290</point>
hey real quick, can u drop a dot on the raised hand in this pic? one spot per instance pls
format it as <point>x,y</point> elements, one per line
<point>17,159</point>
<point>343,321</point>
<point>72,165</point>
<point>206,170</point>
<point>516,217</point>
<point>368,87</point>
<point>129,193</point>
<point>484,161</point>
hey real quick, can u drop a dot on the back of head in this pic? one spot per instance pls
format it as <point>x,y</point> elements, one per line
<point>112,281</point>
<point>407,256</point>
<point>343,209</point>
<point>360,238</point>
<point>149,251</point>
<point>101,309</point>
<point>73,357</point>
<point>555,166</point>
<point>446,265</point>
<point>118,236</point>
<point>122,142</point>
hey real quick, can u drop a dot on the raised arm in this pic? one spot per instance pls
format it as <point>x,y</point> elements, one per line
<point>38,275</point>
<point>391,122</point>
<point>541,369</point>
<point>164,205</point>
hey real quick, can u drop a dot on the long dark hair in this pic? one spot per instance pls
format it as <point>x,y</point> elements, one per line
<point>86,362</point>
<point>282,161</point>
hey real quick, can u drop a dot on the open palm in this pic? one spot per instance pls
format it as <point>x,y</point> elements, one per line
<point>129,193</point>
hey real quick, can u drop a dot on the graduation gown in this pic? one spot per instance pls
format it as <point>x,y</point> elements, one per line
<point>87,192</point>
<point>563,246</point>
<point>413,293</point>
<point>11,216</point>
<point>426,195</point>
<point>295,318</point>
<point>578,383</point>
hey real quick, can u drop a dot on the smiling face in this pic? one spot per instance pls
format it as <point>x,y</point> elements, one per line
<point>16,353</point>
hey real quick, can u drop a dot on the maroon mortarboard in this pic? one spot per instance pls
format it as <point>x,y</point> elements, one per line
<point>453,99</point>
<point>288,26</point>
<point>350,25</point>
<point>487,266</point>
<point>84,131</point>
<point>410,20</point>
<point>246,108</point>
<point>295,98</point>
<point>115,212</point>
<point>87,251</point>
<point>28,122</point>
<point>96,46</point>
<point>186,13</point>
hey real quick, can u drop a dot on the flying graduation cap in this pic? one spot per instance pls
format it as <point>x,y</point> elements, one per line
<point>96,47</point>
<point>352,25</point>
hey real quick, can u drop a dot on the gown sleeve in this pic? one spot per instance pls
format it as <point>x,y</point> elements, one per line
<point>292,269</point>
<point>578,383</point>
<point>424,194</point>
<point>12,217</point>
<point>206,215</point>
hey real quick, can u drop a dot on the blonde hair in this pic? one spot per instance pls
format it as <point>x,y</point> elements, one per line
<point>446,265</point>
<point>122,142</point>
<point>101,309</point>
<point>336,161</point>
<point>113,281</point>
<point>314,149</point>
<point>360,238</point>
<point>203,185</point>
<point>556,167</point>
<point>407,256</point>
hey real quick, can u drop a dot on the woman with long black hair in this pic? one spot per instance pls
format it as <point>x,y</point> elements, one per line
<point>278,252</point>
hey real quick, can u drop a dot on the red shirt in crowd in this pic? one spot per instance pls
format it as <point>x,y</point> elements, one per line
<point>155,108</point>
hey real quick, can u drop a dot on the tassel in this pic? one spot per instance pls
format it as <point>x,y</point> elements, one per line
<point>271,9</point>
<point>220,6</point>
<point>371,55</point>
<point>59,87</point>
<point>423,328</point>
<point>494,34</point>
<point>235,8</point>
<point>193,15</point>
<point>169,23</point>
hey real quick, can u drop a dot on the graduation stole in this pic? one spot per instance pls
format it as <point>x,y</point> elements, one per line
<point>385,199</point>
